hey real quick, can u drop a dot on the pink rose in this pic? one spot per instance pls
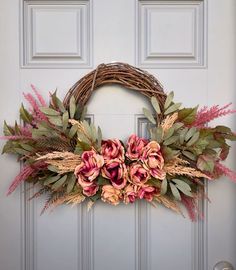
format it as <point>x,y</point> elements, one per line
<point>90,190</point>
<point>135,147</point>
<point>111,194</point>
<point>147,193</point>
<point>89,168</point>
<point>153,160</point>
<point>130,194</point>
<point>112,149</point>
<point>115,170</point>
<point>138,174</point>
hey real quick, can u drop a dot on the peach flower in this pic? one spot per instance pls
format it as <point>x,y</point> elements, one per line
<point>147,193</point>
<point>115,170</point>
<point>112,149</point>
<point>138,174</point>
<point>130,194</point>
<point>135,147</point>
<point>90,190</point>
<point>111,194</point>
<point>153,160</point>
<point>89,168</point>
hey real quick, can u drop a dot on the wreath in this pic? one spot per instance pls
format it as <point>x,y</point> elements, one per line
<point>69,159</point>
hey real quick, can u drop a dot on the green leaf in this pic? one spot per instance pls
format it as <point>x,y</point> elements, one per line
<point>189,155</point>
<point>182,135</point>
<point>163,186</point>
<point>173,108</point>
<point>59,183</point>
<point>182,184</point>
<point>171,140</point>
<point>72,107</point>
<point>83,138</point>
<point>169,99</point>
<point>49,111</point>
<point>25,115</point>
<point>205,163</point>
<point>169,153</point>
<point>27,147</point>
<point>71,183</point>
<point>21,151</point>
<point>56,120</point>
<point>190,133</point>
<point>178,125</point>
<point>149,116</point>
<point>187,115</point>
<point>57,102</point>
<point>169,133</point>
<point>155,104</point>
<point>81,147</point>
<point>87,129</point>
<point>93,132</point>
<point>73,131</point>
<point>175,192</point>
<point>84,111</point>
<point>52,168</point>
<point>7,130</point>
<point>194,139</point>
<point>101,181</point>
<point>65,119</point>
<point>99,139</point>
<point>51,179</point>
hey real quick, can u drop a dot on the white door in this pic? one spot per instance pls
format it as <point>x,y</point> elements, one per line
<point>189,45</point>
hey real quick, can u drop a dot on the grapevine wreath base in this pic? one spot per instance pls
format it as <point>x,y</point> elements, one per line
<point>67,157</point>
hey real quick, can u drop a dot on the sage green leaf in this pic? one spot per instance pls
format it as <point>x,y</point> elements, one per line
<point>101,181</point>
<point>84,111</point>
<point>194,139</point>
<point>159,134</point>
<point>56,120</point>
<point>173,108</point>
<point>222,129</point>
<point>93,132</point>
<point>27,147</point>
<point>171,140</point>
<point>25,115</point>
<point>7,130</point>
<point>182,184</point>
<point>169,133</point>
<point>185,191</point>
<point>99,138</point>
<point>155,104</point>
<point>81,147</point>
<point>21,151</point>
<point>83,138</point>
<point>57,102</point>
<point>169,153</point>
<point>72,107</point>
<point>164,187</point>
<point>59,183</point>
<point>177,126</point>
<point>71,183</point>
<point>175,192</point>
<point>87,129</point>
<point>73,131</point>
<point>149,116</point>
<point>190,133</point>
<point>187,115</point>
<point>51,179</point>
<point>52,168</point>
<point>49,111</point>
<point>65,119</point>
<point>189,155</point>
<point>205,163</point>
<point>169,99</point>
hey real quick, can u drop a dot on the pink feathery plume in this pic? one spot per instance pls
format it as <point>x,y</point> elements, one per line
<point>26,130</point>
<point>26,171</point>
<point>223,170</point>
<point>39,96</point>
<point>190,205</point>
<point>206,115</point>
<point>37,114</point>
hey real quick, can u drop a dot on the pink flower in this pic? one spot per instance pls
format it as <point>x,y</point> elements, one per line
<point>135,147</point>
<point>147,193</point>
<point>138,174</point>
<point>153,160</point>
<point>115,170</point>
<point>89,168</point>
<point>130,194</point>
<point>112,149</point>
<point>90,190</point>
<point>111,194</point>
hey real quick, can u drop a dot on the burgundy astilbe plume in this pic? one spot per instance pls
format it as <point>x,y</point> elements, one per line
<point>191,207</point>
<point>205,115</point>
<point>15,137</point>
<point>26,171</point>
<point>223,170</point>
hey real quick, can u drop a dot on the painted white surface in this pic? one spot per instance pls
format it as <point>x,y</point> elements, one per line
<point>181,35</point>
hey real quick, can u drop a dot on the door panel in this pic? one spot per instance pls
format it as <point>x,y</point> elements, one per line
<point>189,45</point>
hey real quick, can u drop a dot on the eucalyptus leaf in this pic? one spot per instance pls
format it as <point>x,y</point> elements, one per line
<point>65,119</point>
<point>171,140</point>
<point>190,133</point>
<point>169,99</point>
<point>51,179</point>
<point>173,108</point>
<point>149,116</point>
<point>71,183</point>
<point>72,107</point>
<point>169,133</point>
<point>84,111</point>
<point>175,192</point>
<point>56,120</point>
<point>155,104</point>
<point>163,186</point>
<point>52,168</point>
<point>59,182</point>
<point>49,111</point>
<point>73,131</point>
<point>181,183</point>
<point>187,115</point>
<point>194,139</point>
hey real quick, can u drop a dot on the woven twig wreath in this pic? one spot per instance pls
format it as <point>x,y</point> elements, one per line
<point>68,158</point>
